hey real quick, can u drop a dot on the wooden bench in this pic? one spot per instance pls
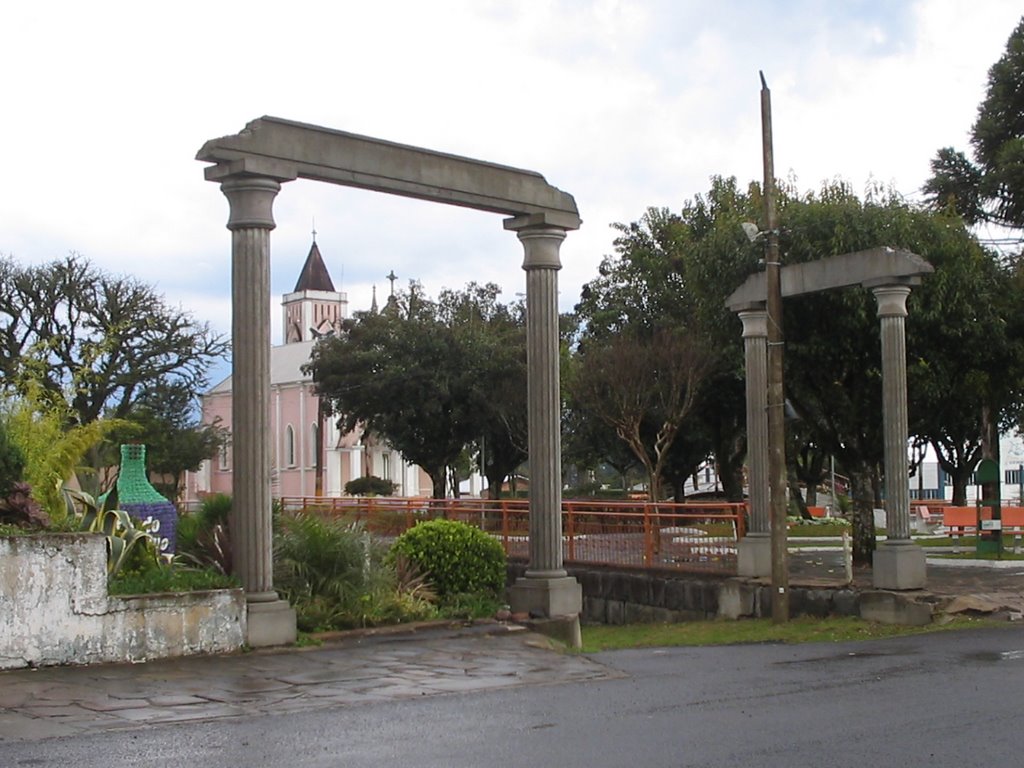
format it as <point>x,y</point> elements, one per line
<point>960,521</point>
<point>926,521</point>
<point>1013,522</point>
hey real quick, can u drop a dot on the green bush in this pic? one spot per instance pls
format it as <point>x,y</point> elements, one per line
<point>335,576</point>
<point>215,510</point>
<point>12,462</point>
<point>369,486</point>
<point>167,578</point>
<point>455,558</point>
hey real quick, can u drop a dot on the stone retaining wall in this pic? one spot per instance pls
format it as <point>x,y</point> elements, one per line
<point>54,609</point>
<point>619,596</point>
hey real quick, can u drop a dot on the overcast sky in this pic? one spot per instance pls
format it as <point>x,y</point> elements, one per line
<point>623,104</point>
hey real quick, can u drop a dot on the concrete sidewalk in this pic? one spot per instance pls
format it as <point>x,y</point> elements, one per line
<point>350,670</point>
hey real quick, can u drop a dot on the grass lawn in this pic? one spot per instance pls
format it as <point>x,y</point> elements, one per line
<point>803,630</point>
<point>821,529</point>
<point>971,554</point>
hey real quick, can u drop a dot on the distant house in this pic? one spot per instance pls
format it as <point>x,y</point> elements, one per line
<point>932,484</point>
<point>302,463</point>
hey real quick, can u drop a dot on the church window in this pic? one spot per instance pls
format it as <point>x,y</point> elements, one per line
<point>289,446</point>
<point>223,460</point>
<point>385,466</point>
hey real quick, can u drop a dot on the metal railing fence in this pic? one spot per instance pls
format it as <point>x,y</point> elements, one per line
<point>631,534</point>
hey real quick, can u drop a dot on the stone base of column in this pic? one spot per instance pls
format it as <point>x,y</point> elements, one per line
<point>546,598</point>
<point>270,623</point>
<point>754,555</point>
<point>898,565</point>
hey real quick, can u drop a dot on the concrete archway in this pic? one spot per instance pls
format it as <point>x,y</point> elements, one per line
<point>250,167</point>
<point>889,273</point>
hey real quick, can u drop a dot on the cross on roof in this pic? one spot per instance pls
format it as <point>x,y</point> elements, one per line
<point>392,277</point>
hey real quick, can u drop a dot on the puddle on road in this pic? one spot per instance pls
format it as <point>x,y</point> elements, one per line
<point>841,657</point>
<point>995,656</point>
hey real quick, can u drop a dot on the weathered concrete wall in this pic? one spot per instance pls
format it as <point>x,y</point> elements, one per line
<point>54,609</point>
<point>615,596</point>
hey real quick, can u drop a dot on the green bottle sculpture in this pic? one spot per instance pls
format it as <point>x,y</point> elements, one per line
<point>138,498</point>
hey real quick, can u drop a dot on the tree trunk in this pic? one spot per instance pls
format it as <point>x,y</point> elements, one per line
<point>453,478</point>
<point>961,479</point>
<point>729,458</point>
<point>679,490</point>
<point>439,480</point>
<point>862,516</point>
<point>989,435</point>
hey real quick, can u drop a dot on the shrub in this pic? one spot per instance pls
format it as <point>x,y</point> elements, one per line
<point>215,510</point>
<point>130,544</point>
<point>167,578</point>
<point>369,486</point>
<point>12,462</point>
<point>336,577</point>
<point>20,509</point>
<point>456,558</point>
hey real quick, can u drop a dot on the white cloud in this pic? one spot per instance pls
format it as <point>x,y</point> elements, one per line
<point>623,103</point>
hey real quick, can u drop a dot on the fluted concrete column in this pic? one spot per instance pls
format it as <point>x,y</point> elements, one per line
<point>755,552</point>
<point>270,620</point>
<point>898,562</point>
<point>546,590</point>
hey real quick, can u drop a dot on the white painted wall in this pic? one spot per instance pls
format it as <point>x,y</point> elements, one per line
<point>56,610</point>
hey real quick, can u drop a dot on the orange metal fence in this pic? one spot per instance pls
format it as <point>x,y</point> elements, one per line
<point>686,537</point>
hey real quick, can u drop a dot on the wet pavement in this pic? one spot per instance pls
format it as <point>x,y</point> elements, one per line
<point>350,669</point>
<point>347,671</point>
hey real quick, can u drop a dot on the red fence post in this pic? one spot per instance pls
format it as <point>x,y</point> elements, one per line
<point>648,536</point>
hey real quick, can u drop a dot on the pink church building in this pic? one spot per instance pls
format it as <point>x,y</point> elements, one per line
<point>309,456</point>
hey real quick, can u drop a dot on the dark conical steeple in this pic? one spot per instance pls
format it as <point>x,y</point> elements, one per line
<point>314,308</point>
<point>314,275</point>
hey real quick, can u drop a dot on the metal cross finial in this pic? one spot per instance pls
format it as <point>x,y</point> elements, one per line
<point>392,277</point>
<point>314,229</point>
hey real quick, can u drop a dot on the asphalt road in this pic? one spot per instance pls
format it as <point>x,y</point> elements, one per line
<point>945,699</point>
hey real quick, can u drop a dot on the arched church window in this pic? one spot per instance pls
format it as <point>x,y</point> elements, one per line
<point>289,446</point>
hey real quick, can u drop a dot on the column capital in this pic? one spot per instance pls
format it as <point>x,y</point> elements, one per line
<point>251,199</point>
<point>755,323</point>
<point>541,245</point>
<point>891,299</point>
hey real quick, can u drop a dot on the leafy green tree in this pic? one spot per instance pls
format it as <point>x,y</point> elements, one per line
<point>670,269</point>
<point>164,417</point>
<point>634,379</point>
<point>675,271</point>
<point>398,374</point>
<point>492,337</point>
<point>992,187</point>
<point>960,360</point>
<point>432,378</point>
<point>99,339</point>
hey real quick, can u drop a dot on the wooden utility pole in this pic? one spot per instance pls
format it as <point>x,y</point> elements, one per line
<point>776,397</point>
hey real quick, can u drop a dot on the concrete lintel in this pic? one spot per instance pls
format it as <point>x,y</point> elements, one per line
<point>552,219</point>
<point>871,267</point>
<point>252,166</point>
<point>338,157</point>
